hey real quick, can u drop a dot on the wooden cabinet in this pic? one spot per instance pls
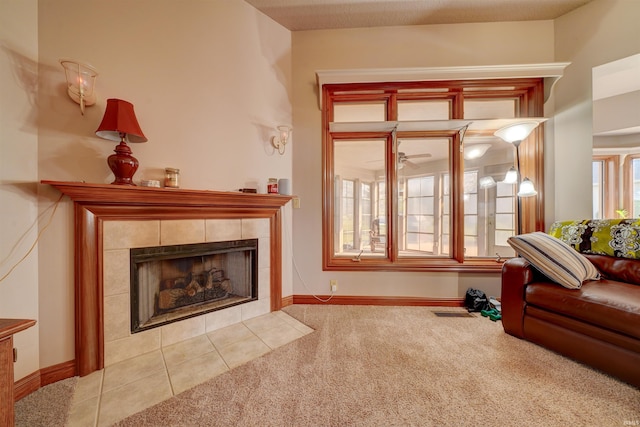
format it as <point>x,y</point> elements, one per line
<point>8,327</point>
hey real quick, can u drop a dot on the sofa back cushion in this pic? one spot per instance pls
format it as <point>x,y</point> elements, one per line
<point>614,268</point>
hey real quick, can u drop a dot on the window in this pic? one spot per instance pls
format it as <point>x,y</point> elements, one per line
<point>605,186</point>
<point>632,185</point>
<point>404,183</point>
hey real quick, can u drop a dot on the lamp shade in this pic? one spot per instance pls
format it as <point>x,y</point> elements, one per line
<point>517,131</point>
<point>527,189</point>
<point>511,177</point>
<point>119,118</point>
<point>487,182</point>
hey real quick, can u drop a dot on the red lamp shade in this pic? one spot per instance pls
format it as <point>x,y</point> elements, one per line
<point>120,124</point>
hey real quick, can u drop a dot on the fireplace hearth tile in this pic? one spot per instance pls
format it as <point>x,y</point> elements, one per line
<point>132,370</point>
<point>182,231</point>
<point>196,371</point>
<point>133,397</point>
<point>134,345</point>
<point>259,325</point>
<point>230,335</point>
<point>243,351</point>
<point>183,351</point>
<point>130,234</point>
<point>278,337</point>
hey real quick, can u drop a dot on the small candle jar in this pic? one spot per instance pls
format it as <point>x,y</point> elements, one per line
<point>171,178</point>
<point>272,186</point>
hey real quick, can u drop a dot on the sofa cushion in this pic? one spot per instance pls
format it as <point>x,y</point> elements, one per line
<point>613,237</point>
<point>607,304</point>
<point>555,259</point>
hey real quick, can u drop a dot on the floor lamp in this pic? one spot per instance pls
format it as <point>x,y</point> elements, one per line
<point>515,134</point>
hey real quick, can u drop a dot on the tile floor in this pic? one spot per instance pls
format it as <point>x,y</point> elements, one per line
<point>104,397</point>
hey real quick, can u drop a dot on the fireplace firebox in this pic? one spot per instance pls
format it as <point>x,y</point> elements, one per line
<point>171,283</point>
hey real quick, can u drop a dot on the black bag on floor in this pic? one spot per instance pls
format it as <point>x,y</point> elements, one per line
<point>476,300</point>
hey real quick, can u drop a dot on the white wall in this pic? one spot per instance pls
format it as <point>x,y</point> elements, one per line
<point>599,32</point>
<point>18,174</point>
<point>210,81</point>
<point>387,47</point>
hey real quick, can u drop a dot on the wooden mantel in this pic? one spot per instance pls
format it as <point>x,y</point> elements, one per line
<point>96,203</point>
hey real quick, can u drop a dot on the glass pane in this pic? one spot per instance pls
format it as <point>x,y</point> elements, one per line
<point>470,225</point>
<point>470,204</point>
<point>598,199</point>
<point>360,111</point>
<point>470,246</point>
<point>360,199</point>
<point>488,209</point>
<point>422,218</point>
<point>504,221</point>
<point>635,165</point>
<point>502,236</point>
<point>490,109</point>
<point>424,110</point>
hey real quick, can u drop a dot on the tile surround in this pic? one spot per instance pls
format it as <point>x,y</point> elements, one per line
<point>119,236</point>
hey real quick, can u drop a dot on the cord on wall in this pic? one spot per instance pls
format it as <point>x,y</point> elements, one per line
<point>295,265</point>
<point>55,207</point>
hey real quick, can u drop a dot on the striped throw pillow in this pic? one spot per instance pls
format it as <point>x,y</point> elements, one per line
<point>555,259</point>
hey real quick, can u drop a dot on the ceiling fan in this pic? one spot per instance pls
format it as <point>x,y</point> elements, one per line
<point>403,159</point>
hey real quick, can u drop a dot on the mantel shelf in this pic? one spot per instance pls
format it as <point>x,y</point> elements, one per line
<point>110,194</point>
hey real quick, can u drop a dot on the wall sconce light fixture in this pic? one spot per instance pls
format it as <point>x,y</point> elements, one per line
<point>279,142</point>
<point>120,124</point>
<point>81,79</point>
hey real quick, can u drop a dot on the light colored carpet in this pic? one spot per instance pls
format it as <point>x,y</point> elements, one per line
<point>48,406</point>
<point>401,366</point>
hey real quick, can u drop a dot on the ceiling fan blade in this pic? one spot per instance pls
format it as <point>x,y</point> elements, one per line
<point>410,164</point>
<point>418,156</point>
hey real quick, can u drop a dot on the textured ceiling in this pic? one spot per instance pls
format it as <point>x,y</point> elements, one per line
<point>299,15</point>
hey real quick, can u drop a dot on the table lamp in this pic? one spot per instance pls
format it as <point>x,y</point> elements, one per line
<point>120,124</point>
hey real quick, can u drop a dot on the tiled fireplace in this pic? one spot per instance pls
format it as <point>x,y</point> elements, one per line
<point>119,237</point>
<point>112,219</point>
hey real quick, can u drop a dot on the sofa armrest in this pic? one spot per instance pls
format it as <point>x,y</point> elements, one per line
<point>516,274</point>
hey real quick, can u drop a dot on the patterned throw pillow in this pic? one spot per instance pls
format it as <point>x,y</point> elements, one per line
<point>555,259</point>
<point>612,237</point>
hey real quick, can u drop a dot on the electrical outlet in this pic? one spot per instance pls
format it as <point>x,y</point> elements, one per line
<point>333,283</point>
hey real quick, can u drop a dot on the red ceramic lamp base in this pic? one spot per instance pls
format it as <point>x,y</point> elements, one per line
<point>123,164</point>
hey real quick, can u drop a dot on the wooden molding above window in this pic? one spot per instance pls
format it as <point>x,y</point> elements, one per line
<point>549,72</point>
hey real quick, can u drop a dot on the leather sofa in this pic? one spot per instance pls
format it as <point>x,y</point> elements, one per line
<point>598,324</point>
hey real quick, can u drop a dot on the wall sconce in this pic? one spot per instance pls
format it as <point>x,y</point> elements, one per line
<point>119,124</point>
<point>279,142</point>
<point>81,79</point>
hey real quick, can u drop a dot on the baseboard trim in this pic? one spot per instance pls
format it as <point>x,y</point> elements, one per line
<point>43,377</point>
<point>374,300</point>
<point>287,301</point>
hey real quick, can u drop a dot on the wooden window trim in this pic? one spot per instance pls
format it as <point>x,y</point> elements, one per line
<point>531,103</point>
